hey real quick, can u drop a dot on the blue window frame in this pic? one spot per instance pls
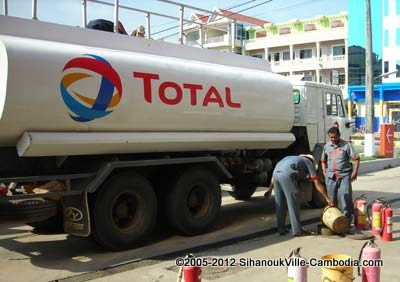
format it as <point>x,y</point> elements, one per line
<point>386,38</point>
<point>386,8</point>
<point>398,36</point>
<point>397,7</point>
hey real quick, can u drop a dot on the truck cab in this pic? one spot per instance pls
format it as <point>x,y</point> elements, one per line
<point>318,107</point>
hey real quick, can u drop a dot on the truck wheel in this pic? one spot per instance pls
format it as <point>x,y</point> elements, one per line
<point>124,211</point>
<point>317,200</point>
<point>194,201</point>
<point>22,211</point>
<point>242,190</point>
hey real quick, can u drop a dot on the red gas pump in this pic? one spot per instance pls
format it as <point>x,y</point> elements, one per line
<point>370,252</point>
<point>376,221</point>
<point>360,212</point>
<point>387,224</point>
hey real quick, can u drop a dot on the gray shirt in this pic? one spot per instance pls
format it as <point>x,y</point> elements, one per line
<point>300,167</point>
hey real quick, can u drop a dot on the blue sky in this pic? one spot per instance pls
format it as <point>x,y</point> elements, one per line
<point>357,28</point>
<point>69,11</point>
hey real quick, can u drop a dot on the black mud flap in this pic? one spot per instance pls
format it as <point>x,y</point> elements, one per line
<point>76,215</point>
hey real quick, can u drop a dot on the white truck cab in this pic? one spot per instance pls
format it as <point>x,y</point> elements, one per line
<point>318,107</point>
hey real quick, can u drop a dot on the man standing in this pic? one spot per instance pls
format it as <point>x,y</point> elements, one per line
<point>336,160</point>
<point>287,173</point>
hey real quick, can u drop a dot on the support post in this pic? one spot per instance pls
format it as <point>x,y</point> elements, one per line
<point>116,6</point>
<point>34,10</point>
<point>181,14</point>
<point>84,13</point>
<point>369,140</point>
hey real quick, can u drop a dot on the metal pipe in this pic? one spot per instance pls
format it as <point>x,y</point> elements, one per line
<point>201,36</point>
<point>233,35</point>
<point>5,7</point>
<point>194,8</point>
<point>181,15</point>
<point>116,6</point>
<point>34,9</point>
<point>142,11</point>
<point>148,26</point>
<point>84,13</point>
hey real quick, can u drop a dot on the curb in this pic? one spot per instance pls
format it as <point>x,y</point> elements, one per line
<point>377,165</point>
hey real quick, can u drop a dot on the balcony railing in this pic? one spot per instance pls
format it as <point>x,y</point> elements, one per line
<point>338,58</point>
<point>215,39</point>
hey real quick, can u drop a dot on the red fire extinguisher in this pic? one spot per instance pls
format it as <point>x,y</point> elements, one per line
<point>376,221</point>
<point>370,252</point>
<point>387,224</point>
<point>360,212</point>
<point>297,268</point>
<point>189,273</point>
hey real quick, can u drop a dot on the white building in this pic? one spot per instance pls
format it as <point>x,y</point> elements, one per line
<point>391,40</point>
<point>216,32</point>
<point>314,48</point>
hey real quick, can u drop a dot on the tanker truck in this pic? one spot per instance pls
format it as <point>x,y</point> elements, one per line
<point>109,135</point>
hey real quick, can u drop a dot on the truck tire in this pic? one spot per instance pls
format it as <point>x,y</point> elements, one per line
<point>242,191</point>
<point>194,201</point>
<point>317,200</point>
<point>124,211</point>
<point>22,211</point>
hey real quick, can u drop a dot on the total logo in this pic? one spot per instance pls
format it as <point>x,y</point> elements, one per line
<point>83,108</point>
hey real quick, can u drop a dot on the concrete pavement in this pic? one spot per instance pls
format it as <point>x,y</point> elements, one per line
<point>273,247</point>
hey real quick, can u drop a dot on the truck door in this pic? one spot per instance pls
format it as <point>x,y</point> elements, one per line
<point>335,114</point>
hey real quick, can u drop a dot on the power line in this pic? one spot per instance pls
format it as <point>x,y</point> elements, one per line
<point>274,12</point>
<point>161,31</point>
<point>220,17</point>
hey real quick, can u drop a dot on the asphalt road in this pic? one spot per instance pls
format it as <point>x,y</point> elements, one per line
<point>27,256</point>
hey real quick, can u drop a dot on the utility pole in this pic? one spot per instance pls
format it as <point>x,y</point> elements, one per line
<point>369,140</point>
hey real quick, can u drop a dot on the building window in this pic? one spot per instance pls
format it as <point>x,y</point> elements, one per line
<point>310,27</point>
<point>305,53</point>
<point>386,8</point>
<point>397,7</point>
<point>260,56</point>
<point>338,50</point>
<point>241,33</point>
<point>269,57</point>
<point>398,36</point>
<point>260,34</point>
<point>320,52</point>
<point>286,55</point>
<point>398,68</point>
<point>386,38</point>
<point>284,30</point>
<point>342,78</point>
<point>193,36</point>
<point>294,55</point>
<point>276,57</point>
<point>386,67</point>
<point>337,23</point>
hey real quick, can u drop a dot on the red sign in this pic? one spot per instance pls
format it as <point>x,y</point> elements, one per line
<point>387,140</point>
